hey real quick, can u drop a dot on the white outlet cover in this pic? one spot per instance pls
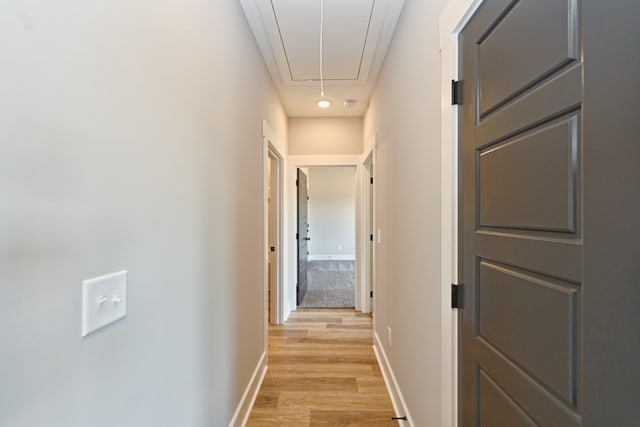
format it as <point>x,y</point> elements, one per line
<point>104,300</point>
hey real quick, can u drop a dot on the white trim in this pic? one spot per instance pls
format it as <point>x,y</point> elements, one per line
<point>452,20</point>
<point>246,404</point>
<point>365,247</point>
<point>271,149</point>
<point>332,257</point>
<point>397,400</point>
<point>300,161</point>
<point>374,219</point>
<point>360,218</point>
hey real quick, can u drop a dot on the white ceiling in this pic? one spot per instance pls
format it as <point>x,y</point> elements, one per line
<point>356,37</point>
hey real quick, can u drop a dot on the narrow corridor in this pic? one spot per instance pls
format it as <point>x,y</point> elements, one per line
<point>322,372</point>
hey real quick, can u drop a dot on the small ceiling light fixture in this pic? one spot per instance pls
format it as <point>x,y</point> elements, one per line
<point>349,103</point>
<point>323,103</point>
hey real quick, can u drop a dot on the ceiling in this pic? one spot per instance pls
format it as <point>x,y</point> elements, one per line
<point>356,35</point>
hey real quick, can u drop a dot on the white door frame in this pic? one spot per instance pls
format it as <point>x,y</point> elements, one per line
<point>302,161</point>
<point>367,215</point>
<point>452,20</point>
<point>272,153</point>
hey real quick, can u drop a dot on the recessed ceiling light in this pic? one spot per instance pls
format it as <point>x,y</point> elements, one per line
<point>323,103</point>
<point>349,103</point>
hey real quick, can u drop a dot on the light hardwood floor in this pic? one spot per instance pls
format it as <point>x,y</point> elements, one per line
<point>323,372</point>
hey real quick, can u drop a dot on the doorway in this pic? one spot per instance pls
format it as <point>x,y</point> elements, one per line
<point>302,234</point>
<point>326,236</point>
<point>273,226</point>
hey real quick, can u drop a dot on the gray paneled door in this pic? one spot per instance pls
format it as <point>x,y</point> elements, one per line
<point>544,327</point>
<point>302,235</point>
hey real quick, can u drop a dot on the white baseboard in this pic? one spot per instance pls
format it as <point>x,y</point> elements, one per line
<point>399,405</point>
<point>332,257</point>
<point>241,416</point>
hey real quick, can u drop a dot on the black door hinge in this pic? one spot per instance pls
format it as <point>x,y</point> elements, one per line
<point>297,183</point>
<point>371,237</point>
<point>371,180</point>
<point>297,236</point>
<point>370,294</point>
<point>456,297</point>
<point>456,92</point>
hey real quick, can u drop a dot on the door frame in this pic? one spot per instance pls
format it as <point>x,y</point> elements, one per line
<point>452,20</point>
<point>303,161</point>
<point>366,278</point>
<point>302,233</point>
<point>272,153</point>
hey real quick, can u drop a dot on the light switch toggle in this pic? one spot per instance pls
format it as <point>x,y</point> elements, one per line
<point>116,299</point>
<point>101,302</point>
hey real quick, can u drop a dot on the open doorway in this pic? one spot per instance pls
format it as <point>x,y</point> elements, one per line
<point>327,267</point>
<point>273,223</point>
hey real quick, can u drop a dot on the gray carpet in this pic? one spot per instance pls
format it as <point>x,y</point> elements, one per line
<point>330,284</point>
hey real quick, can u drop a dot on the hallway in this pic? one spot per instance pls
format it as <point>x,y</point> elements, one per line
<point>136,137</point>
<point>322,372</point>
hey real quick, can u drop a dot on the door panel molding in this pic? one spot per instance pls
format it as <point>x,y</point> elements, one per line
<point>545,163</point>
<point>547,352</point>
<point>565,89</point>
<point>550,44</point>
<point>534,399</point>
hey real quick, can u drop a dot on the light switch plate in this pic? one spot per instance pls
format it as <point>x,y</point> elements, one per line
<point>104,300</point>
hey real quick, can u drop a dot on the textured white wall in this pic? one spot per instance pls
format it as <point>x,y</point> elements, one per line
<point>130,138</point>
<point>405,114</point>
<point>332,210</point>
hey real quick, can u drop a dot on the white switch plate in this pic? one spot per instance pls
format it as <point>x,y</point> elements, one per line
<point>104,300</point>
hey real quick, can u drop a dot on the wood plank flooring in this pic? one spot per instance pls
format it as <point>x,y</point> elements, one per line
<point>322,372</point>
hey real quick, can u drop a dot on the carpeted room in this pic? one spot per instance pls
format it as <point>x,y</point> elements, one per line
<point>331,260</point>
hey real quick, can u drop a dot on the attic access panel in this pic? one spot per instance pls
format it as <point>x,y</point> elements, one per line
<point>346,28</point>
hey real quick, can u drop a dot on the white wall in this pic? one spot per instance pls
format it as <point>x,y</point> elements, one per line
<point>405,114</point>
<point>130,138</point>
<point>332,204</point>
<point>325,135</point>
